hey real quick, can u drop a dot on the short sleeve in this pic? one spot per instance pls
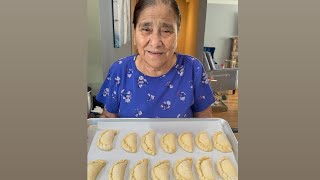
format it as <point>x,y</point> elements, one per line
<point>108,93</point>
<point>203,95</point>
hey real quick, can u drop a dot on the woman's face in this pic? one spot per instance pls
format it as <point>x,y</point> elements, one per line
<point>156,35</point>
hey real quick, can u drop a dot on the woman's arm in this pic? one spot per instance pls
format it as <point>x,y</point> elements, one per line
<point>106,114</point>
<point>207,113</point>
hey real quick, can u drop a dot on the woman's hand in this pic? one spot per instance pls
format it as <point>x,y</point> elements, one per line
<point>106,114</point>
<point>207,113</point>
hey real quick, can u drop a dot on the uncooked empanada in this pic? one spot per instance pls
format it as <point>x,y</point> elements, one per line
<point>221,142</point>
<point>185,141</point>
<point>226,169</point>
<point>117,170</point>
<point>129,142</point>
<point>168,143</point>
<point>94,168</point>
<point>183,169</point>
<point>106,139</point>
<point>148,144</point>
<point>205,169</point>
<point>140,170</point>
<point>161,170</point>
<point>203,142</point>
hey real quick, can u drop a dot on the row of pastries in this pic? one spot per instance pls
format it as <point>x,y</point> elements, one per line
<point>182,169</point>
<point>167,141</point>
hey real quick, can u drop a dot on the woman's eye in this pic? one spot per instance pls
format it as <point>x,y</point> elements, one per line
<point>146,29</point>
<point>166,31</point>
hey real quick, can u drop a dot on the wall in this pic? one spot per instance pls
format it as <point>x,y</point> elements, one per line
<point>94,68</point>
<point>101,52</point>
<point>221,24</point>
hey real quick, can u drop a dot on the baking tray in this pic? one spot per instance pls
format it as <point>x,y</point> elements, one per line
<point>163,125</point>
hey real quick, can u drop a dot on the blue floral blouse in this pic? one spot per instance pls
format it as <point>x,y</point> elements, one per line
<point>181,92</point>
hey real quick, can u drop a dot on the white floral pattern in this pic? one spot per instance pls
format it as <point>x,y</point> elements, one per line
<point>138,113</point>
<point>205,79</point>
<point>150,97</point>
<point>109,77</point>
<point>106,92</point>
<point>117,80</point>
<point>142,81</point>
<point>126,96</point>
<point>169,85</point>
<point>129,73</point>
<point>180,69</point>
<point>182,96</point>
<point>114,95</point>
<point>166,105</point>
<point>191,84</point>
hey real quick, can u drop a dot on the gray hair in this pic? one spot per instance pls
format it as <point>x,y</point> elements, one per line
<point>142,4</point>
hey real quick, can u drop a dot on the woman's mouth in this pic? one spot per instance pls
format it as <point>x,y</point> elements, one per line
<point>154,53</point>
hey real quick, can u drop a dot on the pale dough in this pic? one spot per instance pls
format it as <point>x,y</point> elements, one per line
<point>106,139</point>
<point>161,170</point>
<point>185,141</point>
<point>221,142</point>
<point>129,142</point>
<point>203,142</point>
<point>140,170</point>
<point>148,144</point>
<point>205,169</point>
<point>117,170</point>
<point>94,168</point>
<point>226,169</point>
<point>183,169</point>
<point>168,143</point>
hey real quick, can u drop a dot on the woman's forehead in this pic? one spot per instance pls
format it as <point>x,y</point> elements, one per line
<point>159,12</point>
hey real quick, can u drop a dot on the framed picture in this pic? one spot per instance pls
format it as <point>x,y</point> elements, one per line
<point>121,22</point>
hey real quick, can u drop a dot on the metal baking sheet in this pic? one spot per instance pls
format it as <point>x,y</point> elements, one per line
<point>161,126</point>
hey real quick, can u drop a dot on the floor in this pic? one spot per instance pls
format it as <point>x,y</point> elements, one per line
<point>232,114</point>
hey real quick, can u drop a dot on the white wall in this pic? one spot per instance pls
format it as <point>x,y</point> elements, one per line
<point>101,51</point>
<point>109,53</point>
<point>94,68</point>
<point>221,25</point>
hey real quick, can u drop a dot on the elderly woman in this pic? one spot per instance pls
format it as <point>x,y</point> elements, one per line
<point>157,82</point>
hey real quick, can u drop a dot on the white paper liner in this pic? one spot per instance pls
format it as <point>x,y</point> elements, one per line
<point>177,127</point>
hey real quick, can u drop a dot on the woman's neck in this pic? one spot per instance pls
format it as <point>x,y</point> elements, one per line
<point>148,70</point>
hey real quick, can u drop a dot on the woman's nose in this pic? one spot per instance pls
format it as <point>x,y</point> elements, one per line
<point>155,39</point>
